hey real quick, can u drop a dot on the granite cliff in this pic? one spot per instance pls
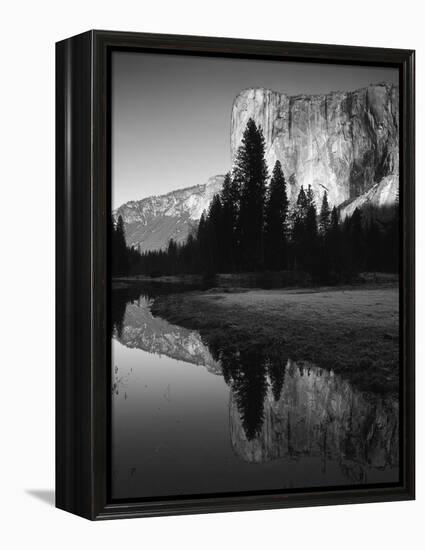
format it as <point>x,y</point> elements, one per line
<point>344,142</point>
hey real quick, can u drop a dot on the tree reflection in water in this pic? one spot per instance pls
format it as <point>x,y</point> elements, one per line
<point>282,409</point>
<point>318,414</point>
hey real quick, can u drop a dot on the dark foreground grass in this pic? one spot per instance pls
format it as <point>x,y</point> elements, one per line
<point>353,331</point>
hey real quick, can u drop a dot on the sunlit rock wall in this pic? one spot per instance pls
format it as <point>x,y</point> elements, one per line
<point>344,142</point>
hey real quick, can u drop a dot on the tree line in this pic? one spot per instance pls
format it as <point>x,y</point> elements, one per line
<point>250,227</point>
<point>125,260</point>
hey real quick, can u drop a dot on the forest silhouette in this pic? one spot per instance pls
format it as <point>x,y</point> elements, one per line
<point>250,227</point>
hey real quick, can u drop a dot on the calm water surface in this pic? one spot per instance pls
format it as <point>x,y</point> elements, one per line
<point>190,417</point>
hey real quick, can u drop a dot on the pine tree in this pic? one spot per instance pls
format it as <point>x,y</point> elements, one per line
<point>325,215</point>
<point>230,199</point>
<point>302,199</point>
<point>356,241</point>
<point>311,216</point>
<point>298,215</point>
<point>276,211</point>
<point>119,251</point>
<point>215,234</point>
<point>172,253</point>
<point>333,246</point>
<point>298,225</point>
<point>251,173</point>
<point>304,232</point>
<point>324,273</point>
<point>311,250</point>
<point>334,223</point>
<point>200,234</point>
<point>202,244</point>
<point>120,231</point>
<point>310,197</point>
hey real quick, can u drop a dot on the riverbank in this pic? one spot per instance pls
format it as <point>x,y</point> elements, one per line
<point>265,280</point>
<point>352,330</point>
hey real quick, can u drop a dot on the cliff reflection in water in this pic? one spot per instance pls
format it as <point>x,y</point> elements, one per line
<point>278,409</point>
<point>135,327</point>
<point>313,412</point>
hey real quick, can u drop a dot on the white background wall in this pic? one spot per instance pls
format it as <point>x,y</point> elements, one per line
<point>29,30</point>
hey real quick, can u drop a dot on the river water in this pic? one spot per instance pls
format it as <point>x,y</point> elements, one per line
<point>188,418</point>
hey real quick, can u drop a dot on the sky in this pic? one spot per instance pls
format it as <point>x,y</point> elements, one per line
<point>171,113</point>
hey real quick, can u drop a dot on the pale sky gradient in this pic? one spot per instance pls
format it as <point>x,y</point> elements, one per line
<point>171,113</point>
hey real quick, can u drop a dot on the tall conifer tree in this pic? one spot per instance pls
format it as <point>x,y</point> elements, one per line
<point>325,215</point>
<point>251,172</point>
<point>202,244</point>
<point>300,210</point>
<point>311,215</point>
<point>230,200</point>
<point>299,216</point>
<point>119,252</point>
<point>215,234</point>
<point>356,241</point>
<point>311,253</point>
<point>310,197</point>
<point>276,212</point>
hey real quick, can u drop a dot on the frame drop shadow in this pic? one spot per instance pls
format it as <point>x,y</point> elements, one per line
<point>45,495</point>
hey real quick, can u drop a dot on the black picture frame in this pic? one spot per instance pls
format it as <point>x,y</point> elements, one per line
<point>82,213</point>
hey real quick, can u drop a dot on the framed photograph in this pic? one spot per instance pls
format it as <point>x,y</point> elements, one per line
<point>235,274</point>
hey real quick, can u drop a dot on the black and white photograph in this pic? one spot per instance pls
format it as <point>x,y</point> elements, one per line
<point>211,279</point>
<point>254,276</point>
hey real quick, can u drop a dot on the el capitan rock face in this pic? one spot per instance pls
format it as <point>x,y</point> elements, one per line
<point>344,142</point>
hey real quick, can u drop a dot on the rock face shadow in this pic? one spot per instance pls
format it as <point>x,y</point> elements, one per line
<point>45,495</point>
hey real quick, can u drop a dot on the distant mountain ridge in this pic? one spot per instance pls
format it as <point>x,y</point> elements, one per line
<point>343,142</point>
<point>151,222</point>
